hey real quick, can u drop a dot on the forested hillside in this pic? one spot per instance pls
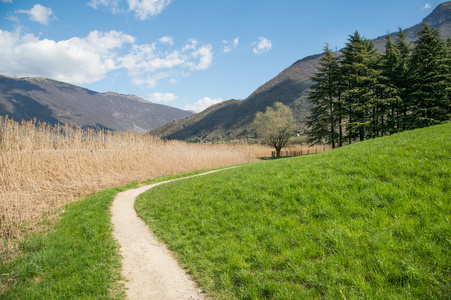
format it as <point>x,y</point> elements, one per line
<point>363,93</point>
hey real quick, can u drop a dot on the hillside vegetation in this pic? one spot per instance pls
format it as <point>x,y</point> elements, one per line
<point>232,119</point>
<point>369,220</point>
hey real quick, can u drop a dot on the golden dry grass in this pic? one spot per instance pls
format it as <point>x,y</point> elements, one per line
<point>43,167</point>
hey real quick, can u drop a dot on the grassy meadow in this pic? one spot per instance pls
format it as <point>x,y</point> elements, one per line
<point>366,221</point>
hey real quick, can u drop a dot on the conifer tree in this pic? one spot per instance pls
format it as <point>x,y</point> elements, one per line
<point>325,118</point>
<point>401,79</point>
<point>430,76</point>
<point>360,77</point>
<point>393,72</point>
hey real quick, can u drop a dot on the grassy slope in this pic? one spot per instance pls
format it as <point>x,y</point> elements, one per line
<point>370,220</point>
<point>77,258</point>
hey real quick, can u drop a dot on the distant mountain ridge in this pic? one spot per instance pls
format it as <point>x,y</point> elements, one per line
<point>233,119</point>
<point>54,102</point>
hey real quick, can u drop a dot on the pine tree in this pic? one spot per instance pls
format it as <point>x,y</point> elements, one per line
<point>430,76</point>
<point>360,77</point>
<point>387,90</point>
<point>324,94</point>
<point>401,79</point>
<point>394,83</point>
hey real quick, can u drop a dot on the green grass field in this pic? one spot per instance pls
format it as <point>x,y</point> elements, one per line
<point>76,258</point>
<point>366,221</point>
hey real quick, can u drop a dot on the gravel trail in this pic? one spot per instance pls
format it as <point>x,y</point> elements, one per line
<point>148,267</point>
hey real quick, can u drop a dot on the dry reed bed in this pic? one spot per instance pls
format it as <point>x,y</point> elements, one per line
<point>43,167</point>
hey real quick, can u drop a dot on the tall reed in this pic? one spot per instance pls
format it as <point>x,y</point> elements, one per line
<point>43,167</point>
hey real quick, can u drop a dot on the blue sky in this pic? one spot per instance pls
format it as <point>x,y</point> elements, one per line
<point>186,54</point>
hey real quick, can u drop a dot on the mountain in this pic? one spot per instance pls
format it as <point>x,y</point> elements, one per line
<point>233,119</point>
<point>54,102</point>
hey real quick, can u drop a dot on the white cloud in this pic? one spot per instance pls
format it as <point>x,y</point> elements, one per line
<point>96,3</point>
<point>427,5</point>
<point>205,55</point>
<point>202,104</point>
<point>150,80</point>
<point>146,8</point>
<point>264,45</point>
<point>38,13</point>
<point>143,9</point>
<point>192,45</point>
<point>166,40</point>
<point>145,58</point>
<point>112,4</point>
<point>89,59</point>
<point>76,60</point>
<point>12,18</point>
<point>162,97</point>
<point>7,1</point>
<point>229,46</point>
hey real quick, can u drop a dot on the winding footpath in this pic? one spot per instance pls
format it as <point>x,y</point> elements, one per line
<point>150,271</point>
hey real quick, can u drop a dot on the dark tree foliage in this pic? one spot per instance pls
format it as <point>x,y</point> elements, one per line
<point>430,78</point>
<point>400,79</point>
<point>366,94</point>
<point>325,94</point>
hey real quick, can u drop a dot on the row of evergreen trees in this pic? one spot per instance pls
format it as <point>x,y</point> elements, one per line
<point>363,93</point>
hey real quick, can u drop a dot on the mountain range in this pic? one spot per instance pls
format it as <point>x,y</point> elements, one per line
<point>54,102</point>
<point>233,119</point>
<point>58,102</point>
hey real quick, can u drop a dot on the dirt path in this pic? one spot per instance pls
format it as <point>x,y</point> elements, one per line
<point>148,267</point>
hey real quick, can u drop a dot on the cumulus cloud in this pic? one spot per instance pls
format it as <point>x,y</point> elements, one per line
<point>76,60</point>
<point>264,45</point>
<point>191,45</point>
<point>146,8</point>
<point>143,9</point>
<point>202,104</point>
<point>427,5</point>
<point>147,58</point>
<point>162,97</point>
<point>235,42</point>
<point>166,40</point>
<point>205,55</point>
<point>89,59</point>
<point>229,46</point>
<point>112,4</point>
<point>144,60</point>
<point>150,80</point>
<point>38,13</point>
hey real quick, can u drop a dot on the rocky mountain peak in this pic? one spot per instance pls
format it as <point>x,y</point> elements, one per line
<point>439,15</point>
